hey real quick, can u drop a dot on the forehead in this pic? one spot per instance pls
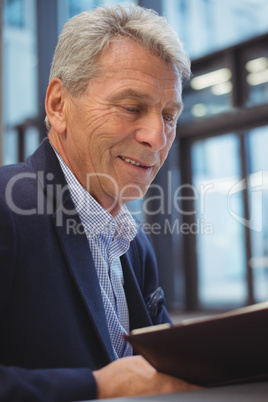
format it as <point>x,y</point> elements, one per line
<point>125,59</point>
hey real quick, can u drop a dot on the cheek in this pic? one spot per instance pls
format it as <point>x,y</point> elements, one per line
<point>89,114</point>
<point>105,124</point>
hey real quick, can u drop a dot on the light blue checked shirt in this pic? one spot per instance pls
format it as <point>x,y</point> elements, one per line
<point>109,237</point>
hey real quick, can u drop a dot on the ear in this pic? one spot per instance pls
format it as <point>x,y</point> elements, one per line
<point>54,104</point>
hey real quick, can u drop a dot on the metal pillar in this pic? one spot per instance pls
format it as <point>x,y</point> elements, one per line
<point>1,120</point>
<point>153,4</point>
<point>47,33</point>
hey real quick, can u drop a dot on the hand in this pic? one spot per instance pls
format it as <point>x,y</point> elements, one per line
<point>133,376</point>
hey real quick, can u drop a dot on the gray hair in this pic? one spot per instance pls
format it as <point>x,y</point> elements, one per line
<point>87,35</point>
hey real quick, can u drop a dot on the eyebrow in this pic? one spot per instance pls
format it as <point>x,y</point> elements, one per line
<point>132,93</point>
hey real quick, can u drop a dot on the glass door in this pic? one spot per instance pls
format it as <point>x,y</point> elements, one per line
<point>258,202</point>
<point>219,212</point>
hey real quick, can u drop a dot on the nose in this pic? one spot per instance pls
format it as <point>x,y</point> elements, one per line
<point>151,132</point>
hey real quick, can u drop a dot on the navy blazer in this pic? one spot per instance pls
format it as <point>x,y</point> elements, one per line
<point>53,328</point>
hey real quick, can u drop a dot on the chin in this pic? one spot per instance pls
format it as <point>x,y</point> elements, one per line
<point>127,196</point>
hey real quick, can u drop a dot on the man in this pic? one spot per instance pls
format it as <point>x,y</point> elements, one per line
<point>76,272</point>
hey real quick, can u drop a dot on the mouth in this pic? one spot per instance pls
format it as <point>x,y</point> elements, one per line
<point>134,163</point>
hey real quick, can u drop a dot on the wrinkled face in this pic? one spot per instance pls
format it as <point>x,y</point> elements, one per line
<point>119,132</point>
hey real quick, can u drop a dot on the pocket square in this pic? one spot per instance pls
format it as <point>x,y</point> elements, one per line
<point>155,301</point>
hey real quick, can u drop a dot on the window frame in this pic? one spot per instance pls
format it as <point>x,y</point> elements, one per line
<point>240,119</point>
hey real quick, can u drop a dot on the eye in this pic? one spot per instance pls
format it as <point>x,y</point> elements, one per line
<point>170,118</point>
<point>132,109</point>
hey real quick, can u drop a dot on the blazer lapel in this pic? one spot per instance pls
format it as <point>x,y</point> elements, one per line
<point>75,246</point>
<point>138,314</point>
<point>82,268</point>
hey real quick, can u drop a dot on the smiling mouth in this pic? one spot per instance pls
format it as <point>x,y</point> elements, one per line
<point>132,162</point>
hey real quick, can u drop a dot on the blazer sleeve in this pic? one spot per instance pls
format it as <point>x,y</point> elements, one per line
<point>54,385</point>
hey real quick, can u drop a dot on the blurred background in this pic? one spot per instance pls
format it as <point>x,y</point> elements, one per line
<point>207,210</point>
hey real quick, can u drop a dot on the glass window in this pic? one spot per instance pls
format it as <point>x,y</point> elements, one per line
<point>208,93</point>
<point>14,13</point>
<point>208,25</point>
<point>258,200</point>
<point>257,77</point>
<point>31,140</point>
<point>219,207</point>
<point>69,8</point>
<point>19,60</point>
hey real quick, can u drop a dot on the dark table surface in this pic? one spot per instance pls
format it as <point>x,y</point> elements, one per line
<point>253,392</point>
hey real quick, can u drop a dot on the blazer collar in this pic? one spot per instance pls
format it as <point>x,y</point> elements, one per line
<point>138,313</point>
<point>73,242</point>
